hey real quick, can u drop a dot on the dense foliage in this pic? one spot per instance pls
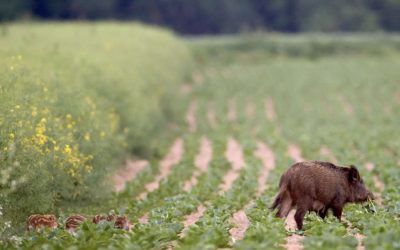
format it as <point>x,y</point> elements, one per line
<point>71,109</point>
<point>222,16</point>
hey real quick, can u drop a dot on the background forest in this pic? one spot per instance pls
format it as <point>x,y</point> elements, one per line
<point>220,16</point>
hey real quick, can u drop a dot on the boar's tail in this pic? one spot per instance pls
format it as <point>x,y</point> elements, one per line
<point>279,198</point>
<point>277,201</point>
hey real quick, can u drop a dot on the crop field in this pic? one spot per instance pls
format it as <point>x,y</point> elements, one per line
<point>251,108</point>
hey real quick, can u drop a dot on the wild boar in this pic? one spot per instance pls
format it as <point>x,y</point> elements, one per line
<point>39,221</point>
<point>101,217</point>
<point>74,221</point>
<point>122,222</point>
<point>318,186</point>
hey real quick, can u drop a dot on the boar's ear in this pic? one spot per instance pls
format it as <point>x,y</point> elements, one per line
<point>354,175</point>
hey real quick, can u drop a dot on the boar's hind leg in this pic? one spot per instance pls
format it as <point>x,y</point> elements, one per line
<point>299,217</point>
<point>303,207</point>
<point>285,206</point>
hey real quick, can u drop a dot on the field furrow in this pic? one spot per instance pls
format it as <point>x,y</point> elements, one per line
<point>270,110</point>
<point>379,185</point>
<point>202,161</point>
<point>211,117</point>
<point>234,155</point>
<point>191,116</point>
<point>232,112</point>
<point>128,173</point>
<point>173,157</point>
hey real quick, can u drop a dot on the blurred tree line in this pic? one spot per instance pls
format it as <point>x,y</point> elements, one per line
<point>220,16</point>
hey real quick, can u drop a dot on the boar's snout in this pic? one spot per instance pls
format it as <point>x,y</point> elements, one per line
<point>359,192</point>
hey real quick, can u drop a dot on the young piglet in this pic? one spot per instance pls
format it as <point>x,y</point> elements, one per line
<point>39,221</point>
<point>122,222</point>
<point>74,221</point>
<point>101,217</point>
<point>318,186</point>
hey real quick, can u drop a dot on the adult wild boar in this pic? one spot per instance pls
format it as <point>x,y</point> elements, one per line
<point>318,186</point>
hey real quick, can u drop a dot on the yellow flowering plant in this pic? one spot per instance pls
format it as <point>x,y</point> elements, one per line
<point>69,113</point>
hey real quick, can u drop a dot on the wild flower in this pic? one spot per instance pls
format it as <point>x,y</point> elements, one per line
<point>67,150</point>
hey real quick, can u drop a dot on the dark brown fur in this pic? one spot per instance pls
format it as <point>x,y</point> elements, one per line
<point>38,221</point>
<point>318,186</point>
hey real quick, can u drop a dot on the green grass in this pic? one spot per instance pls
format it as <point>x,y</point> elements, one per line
<point>310,94</point>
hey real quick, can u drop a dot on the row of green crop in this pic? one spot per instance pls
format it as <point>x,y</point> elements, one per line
<point>259,46</point>
<point>75,99</point>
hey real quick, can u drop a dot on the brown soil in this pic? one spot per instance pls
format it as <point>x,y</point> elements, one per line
<point>192,219</point>
<point>293,242</point>
<point>265,154</point>
<point>324,151</point>
<point>232,117</point>
<point>144,219</point>
<point>198,78</point>
<point>359,237</point>
<point>295,153</point>
<point>211,118</point>
<point>270,109</point>
<point>201,162</point>
<point>347,107</point>
<point>234,155</point>
<point>191,117</point>
<point>256,130</point>
<point>250,110</point>
<point>173,157</point>
<point>387,110</point>
<point>128,173</point>
<point>241,223</point>
<point>186,89</point>
<point>397,97</point>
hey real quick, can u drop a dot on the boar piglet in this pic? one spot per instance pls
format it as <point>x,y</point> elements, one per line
<point>318,186</point>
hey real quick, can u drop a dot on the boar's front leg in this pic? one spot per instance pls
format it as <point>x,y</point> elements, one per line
<point>322,213</point>
<point>337,212</point>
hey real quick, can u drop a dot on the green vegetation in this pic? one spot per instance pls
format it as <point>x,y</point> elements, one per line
<point>338,92</point>
<point>71,109</point>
